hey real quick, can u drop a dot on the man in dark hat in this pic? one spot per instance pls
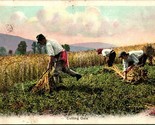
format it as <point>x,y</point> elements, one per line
<point>131,59</point>
<point>109,55</point>
<point>57,56</point>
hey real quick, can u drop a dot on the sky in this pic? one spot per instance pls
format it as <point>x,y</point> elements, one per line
<point>70,22</point>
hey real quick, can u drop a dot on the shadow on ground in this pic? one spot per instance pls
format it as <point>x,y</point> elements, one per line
<point>81,88</point>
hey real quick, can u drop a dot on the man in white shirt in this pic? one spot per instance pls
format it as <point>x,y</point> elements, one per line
<point>131,59</point>
<point>109,55</point>
<point>57,55</point>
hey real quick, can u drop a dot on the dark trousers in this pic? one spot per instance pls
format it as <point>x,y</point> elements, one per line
<point>142,60</point>
<point>60,66</point>
<point>111,59</point>
<point>150,58</point>
<point>130,63</point>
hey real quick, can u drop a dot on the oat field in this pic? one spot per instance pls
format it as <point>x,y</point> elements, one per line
<point>97,92</point>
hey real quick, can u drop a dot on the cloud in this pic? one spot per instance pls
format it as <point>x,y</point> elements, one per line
<point>53,19</point>
<point>147,19</point>
<point>18,18</point>
<point>16,22</point>
<point>89,23</point>
<point>20,25</point>
<point>141,20</point>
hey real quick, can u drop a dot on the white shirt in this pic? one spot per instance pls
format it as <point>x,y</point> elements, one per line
<point>138,53</point>
<point>53,47</point>
<point>106,52</point>
<point>133,56</point>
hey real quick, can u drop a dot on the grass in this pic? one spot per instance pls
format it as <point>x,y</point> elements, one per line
<point>97,92</point>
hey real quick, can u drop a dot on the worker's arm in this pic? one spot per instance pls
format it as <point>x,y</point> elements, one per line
<point>136,61</point>
<point>50,62</point>
<point>125,72</point>
<point>50,52</point>
<point>129,68</point>
<point>125,75</point>
<point>125,69</point>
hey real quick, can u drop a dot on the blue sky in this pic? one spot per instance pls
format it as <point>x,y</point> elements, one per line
<point>113,12</point>
<point>29,11</point>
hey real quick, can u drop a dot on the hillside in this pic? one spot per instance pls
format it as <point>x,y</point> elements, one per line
<point>94,45</point>
<point>11,42</point>
<point>79,48</point>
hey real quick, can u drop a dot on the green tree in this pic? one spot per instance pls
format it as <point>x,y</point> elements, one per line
<point>21,48</point>
<point>34,47</point>
<point>66,47</point>
<point>3,51</point>
<point>17,52</point>
<point>39,48</point>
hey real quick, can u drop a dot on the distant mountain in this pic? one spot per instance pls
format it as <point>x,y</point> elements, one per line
<point>79,48</point>
<point>11,42</point>
<point>94,45</point>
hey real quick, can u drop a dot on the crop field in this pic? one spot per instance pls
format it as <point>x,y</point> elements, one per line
<point>98,92</point>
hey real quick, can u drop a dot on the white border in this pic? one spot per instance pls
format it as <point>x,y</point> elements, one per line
<point>77,2</point>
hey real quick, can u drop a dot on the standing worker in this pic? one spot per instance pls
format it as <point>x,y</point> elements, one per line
<point>109,55</point>
<point>131,59</point>
<point>57,55</point>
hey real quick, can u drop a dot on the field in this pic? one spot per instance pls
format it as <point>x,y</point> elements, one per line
<point>98,92</point>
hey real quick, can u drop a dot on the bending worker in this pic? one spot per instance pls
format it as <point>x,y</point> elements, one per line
<point>57,55</point>
<point>131,59</point>
<point>109,55</point>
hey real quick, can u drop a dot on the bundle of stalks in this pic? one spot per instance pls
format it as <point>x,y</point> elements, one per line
<point>135,74</point>
<point>138,73</point>
<point>44,82</point>
<point>119,72</point>
<point>115,69</point>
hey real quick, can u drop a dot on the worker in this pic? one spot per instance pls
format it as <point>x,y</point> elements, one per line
<point>57,57</point>
<point>109,55</point>
<point>131,59</point>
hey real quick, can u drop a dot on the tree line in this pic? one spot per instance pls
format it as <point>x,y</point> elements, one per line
<point>22,49</point>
